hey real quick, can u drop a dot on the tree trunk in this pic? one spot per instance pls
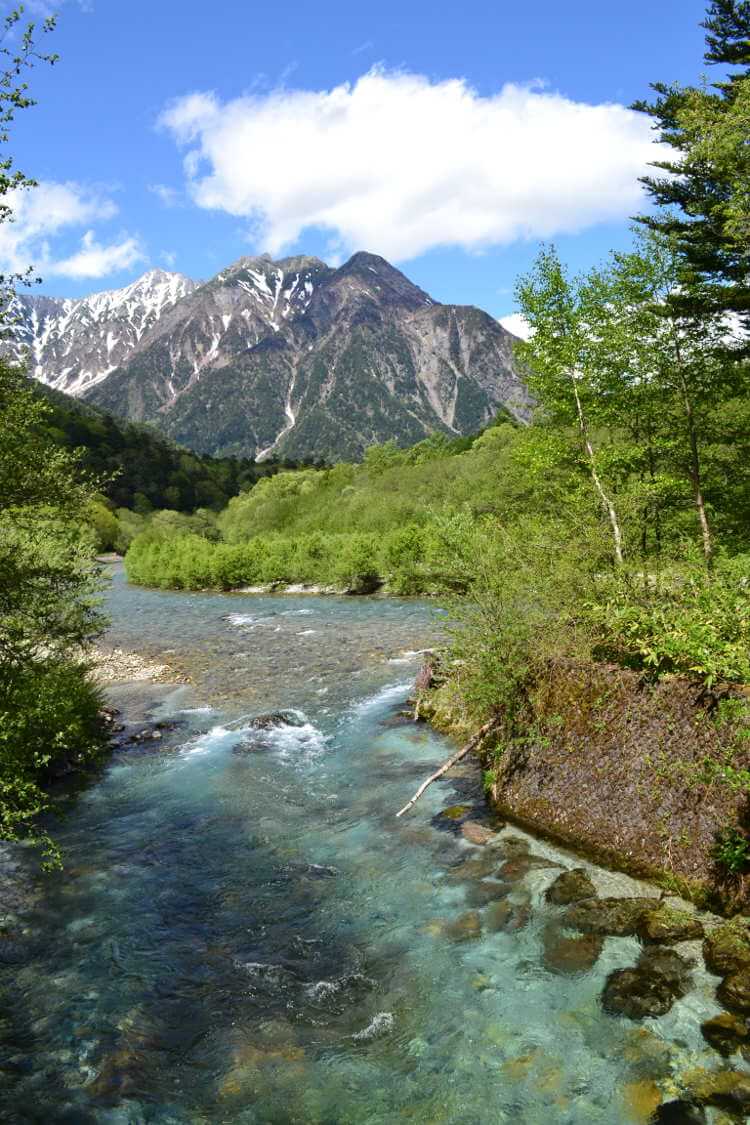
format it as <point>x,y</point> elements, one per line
<point>607,504</point>
<point>695,474</point>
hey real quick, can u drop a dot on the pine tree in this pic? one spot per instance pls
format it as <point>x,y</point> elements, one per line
<point>700,197</point>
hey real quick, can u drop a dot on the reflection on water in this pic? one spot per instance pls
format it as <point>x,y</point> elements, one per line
<point>245,932</point>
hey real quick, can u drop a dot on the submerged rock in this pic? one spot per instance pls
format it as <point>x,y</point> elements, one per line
<point>667,925</point>
<point>726,1033</point>
<point>454,812</point>
<point>726,949</point>
<point>476,833</point>
<point>466,927</point>
<point>734,990</point>
<point>725,1089</point>
<point>568,955</point>
<point>487,891</point>
<point>617,916</point>
<point>650,988</point>
<point>506,916</point>
<point>571,886</point>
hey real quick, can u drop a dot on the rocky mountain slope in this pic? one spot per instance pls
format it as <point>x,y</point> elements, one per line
<point>289,358</point>
<point>72,345</point>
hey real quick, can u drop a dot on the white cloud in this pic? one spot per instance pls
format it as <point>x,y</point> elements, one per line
<point>398,164</point>
<point>517,324</point>
<point>95,260</point>
<point>169,196</point>
<point>52,210</point>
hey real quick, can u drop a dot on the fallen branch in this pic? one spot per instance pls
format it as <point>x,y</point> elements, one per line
<point>470,745</point>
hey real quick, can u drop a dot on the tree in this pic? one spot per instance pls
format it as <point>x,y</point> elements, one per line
<point>49,710</point>
<point>660,372</point>
<point>703,198</point>
<point>557,310</point>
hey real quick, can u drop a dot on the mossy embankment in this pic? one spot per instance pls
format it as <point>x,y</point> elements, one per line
<point>639,775</point>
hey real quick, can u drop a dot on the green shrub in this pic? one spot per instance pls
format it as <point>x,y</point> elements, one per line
<point>49,725</point>
<point>694,622</point>
<point>732,851</point>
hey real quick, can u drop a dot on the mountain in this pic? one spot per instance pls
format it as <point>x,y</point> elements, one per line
<point>288,358</point>
<point>72,345</point>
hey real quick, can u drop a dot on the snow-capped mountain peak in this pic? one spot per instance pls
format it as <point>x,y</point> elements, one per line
<point>73,344</point>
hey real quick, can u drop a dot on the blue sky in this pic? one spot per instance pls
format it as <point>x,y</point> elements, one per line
<point>466,133</point>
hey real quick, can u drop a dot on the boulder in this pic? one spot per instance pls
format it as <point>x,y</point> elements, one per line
<point>726,1033</point>
<point>571,886</point>
<point>667,925</point>
<point>734,991</point>
<point>618,916</point>
<point>650,988</point>
<point>727,947</point>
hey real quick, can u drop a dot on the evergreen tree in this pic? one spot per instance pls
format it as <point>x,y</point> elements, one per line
<point>701,196</point>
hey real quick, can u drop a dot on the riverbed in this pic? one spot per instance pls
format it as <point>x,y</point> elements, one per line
<point>245,933</point>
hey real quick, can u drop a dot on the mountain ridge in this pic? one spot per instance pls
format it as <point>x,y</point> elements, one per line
<point>291,358</point>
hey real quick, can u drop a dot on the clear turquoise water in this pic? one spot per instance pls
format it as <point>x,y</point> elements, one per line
<point>253,937</point>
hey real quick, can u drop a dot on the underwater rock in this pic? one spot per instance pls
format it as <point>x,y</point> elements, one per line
<point>617,916</point>
<point>734,990</point>
<point>667,925</point>
<point>486,891</point>
<point>506,916</point>
<point>453,812</point>
<point>678,1112</point>
<point>650,988</point>
<point>571,886</point>
<point>466,927</point>
<point>477,867</point>
<point>476,833</point>
<point>726,1033</point>
<point>727,948</point>
<point>567,955</point>
<point>725,1089</point>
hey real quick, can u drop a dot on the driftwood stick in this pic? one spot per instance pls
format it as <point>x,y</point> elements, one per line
<point>470,745</point>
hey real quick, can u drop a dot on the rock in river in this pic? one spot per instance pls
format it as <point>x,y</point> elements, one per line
<point>650,988</point>
<point>665,924</point>
<point>273,719</point>
<point>726,1033</point>
<point>679,1112</point>
<point>568,955</point>
<point>571,886</point>
<point>618,916</point>
<point>734,991</point>
<point>466,927</point>
<point>727,948</point>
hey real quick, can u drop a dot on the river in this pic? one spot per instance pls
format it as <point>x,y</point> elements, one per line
<point>245,933</point>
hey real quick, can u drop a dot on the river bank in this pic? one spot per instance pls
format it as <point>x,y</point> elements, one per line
<point>245,932</point>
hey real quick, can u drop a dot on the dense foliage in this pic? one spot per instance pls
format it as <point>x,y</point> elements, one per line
<point>49,722</point>
<point>139,469</point>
